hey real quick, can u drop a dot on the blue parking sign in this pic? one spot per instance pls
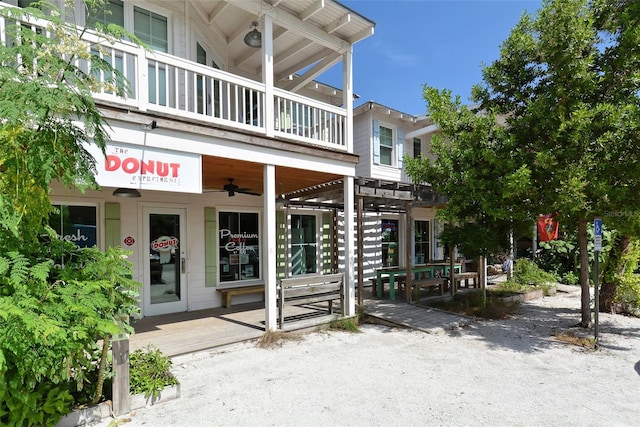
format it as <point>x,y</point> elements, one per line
<point>597,234</point>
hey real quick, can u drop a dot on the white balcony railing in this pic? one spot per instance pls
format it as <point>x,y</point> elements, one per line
<point>173,86</point>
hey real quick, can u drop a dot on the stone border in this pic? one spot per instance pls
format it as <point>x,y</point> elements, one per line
<point>93,414</point>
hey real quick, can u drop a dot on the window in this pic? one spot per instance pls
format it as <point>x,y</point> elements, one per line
<point>77,224</point>
<point>27,3</point>
<point>151,28</point>
<point>417,147</point>
<point>421,235</point>
<point>239,246</point>
<point>386,146</point>
<point>112,13</point>
<point>390,242</point>
<point>304,252</point>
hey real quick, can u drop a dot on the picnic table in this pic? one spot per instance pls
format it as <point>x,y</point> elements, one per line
<point>431,270</point>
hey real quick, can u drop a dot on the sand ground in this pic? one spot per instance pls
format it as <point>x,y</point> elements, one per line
<point>510,372</point>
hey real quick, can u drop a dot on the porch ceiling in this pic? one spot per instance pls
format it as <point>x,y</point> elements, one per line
<point>217,171</point>
<point>309,36</point>
<point>300,187</point>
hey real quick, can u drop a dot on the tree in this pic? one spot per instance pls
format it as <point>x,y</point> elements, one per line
<point>481,183</point>
<point>56,301</point>
<point>567,84</point>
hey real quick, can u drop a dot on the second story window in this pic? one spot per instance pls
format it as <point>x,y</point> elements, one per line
<point>386,146</point>
<point>112,13</point>
<point>417,147</point>
<point>151,28</point>
<point>387,142</point>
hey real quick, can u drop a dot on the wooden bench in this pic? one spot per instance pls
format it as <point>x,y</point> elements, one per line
<point>227,293</point>
<point>459,278</point>
<point>309,289</point>
<point>438,282</point>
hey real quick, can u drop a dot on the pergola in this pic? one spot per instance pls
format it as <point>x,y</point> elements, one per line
<point>371,195</point>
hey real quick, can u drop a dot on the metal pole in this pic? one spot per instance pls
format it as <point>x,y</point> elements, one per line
<point>597,246</point>
<point>596,298</point>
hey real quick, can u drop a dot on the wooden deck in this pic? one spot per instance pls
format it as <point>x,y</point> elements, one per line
<point>193,331</point>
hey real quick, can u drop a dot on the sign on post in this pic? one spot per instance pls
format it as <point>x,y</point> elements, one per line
<point>597,246</point>
<point>597,234</point>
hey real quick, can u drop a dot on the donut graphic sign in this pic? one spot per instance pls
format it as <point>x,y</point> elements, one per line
<point>165,245</point>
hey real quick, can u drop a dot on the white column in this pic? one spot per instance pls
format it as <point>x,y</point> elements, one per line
<point>269,247</point>
<point>267,74</point>
<point>349,244</point>
<point>347,93</point>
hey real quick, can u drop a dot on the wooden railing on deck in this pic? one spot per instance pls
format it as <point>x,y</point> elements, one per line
<point>166,84</point>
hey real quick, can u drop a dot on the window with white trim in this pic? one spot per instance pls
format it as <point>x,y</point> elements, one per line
<point>386,146</point>
<point>112,12</point>
<point>151,28</point>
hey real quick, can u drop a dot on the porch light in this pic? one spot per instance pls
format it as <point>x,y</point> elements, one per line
<point>126,192</point>
<point>253,37</point>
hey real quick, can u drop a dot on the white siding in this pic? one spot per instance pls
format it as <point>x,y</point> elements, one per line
<point>362,144</point>
<point>131,222</point>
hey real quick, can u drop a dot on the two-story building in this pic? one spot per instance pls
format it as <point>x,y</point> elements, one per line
<point>225,117</point>
<point>399,222</point>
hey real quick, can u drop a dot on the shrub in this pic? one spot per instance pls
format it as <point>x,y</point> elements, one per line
<point>150,372</point>
<point>570,278</point>
<point>627,295</point>
<point>51,317</point>
<point>526,272</point>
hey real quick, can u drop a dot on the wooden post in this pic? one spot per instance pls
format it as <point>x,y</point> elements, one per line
<point>482,275</point>
<point>408,283</point>
<point>360,250</point>
<point>452,272</point>
<point>120,386</point>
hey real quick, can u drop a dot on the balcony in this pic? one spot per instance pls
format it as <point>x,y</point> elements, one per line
<point>287,108</point>
<point>172,86</point>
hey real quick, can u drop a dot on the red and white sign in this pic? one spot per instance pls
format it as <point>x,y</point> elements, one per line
<point>165,246</point>
<point>129,241</point>
<point>147,168</point>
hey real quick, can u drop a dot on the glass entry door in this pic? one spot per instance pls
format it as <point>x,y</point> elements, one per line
<point>164,261</point>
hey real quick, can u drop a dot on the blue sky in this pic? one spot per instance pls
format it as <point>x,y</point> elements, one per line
<point>441,43</point>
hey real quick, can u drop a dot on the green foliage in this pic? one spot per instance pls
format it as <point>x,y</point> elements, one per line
<point>51,316</point>
<point>56,301</point>
<point>570,278</point>
<point>48,114</point>
<point>561,257</point>
<point>483,187</point>
<point>627,292</point>
<point>526,272</point>
<point>351,324</point>
<point>150,372</point>
<point>565,90</point>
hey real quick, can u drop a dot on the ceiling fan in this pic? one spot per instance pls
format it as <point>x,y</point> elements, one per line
<point>232,189</point>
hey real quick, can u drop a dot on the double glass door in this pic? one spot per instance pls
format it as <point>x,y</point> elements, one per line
<point>164,261</point>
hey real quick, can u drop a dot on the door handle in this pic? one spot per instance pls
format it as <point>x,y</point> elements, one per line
<point>183,262</point>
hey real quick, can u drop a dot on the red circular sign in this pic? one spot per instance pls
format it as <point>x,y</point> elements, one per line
<point>129,241</point>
